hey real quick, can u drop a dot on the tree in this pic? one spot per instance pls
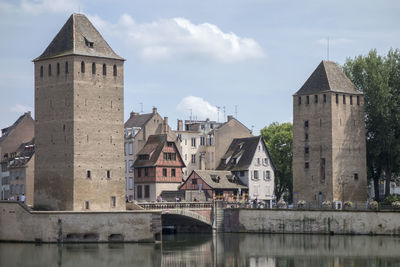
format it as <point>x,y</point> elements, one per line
<point>379,79</point>
<point>279,140</point>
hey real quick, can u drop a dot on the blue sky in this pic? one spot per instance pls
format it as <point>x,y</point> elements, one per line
<point>191,57</point>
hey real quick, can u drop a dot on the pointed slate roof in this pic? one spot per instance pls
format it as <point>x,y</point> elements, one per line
<point>78,36</point>
<point>218,179</point>
<point>328,76</point>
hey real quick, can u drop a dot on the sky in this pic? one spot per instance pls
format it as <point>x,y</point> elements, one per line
<point>200,59</point>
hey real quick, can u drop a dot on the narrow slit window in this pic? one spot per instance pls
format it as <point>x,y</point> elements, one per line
<point>104,69</point>
<point>86,205</point>
<point>308,100</point>
<point>351,100</point>
<point>49,69</point>
<point>115,70</point>
<point>358,100</point>
<point>113,202</point>
<point>337,98</point>
<point>83,67</point>
<point>324,98</point>
<point>93,68</point>
<point>108,174</point>
<point>315,98</point>
<point>88,174</point>
<point>41,71</point>
<point>344,99</point>
<point>66,67</point>
<point>58,68</point>
<point>299,100</point>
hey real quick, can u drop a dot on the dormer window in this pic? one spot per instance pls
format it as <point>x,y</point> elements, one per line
<point>89,43</point>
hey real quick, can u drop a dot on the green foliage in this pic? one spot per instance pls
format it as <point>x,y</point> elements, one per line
<point>379,79</point>
<point>279,140</point>
<point>390,199</point>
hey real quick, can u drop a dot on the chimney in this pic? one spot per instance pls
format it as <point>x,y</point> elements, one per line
<point>166,127</point>
<point>180,125</point>
<point>154,110</point>
<point>134,114</point>
<point>28,113</point>
<point>230,117</point>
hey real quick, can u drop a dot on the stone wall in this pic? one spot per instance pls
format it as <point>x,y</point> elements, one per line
<point>19,224</point>
<point>312,222</point>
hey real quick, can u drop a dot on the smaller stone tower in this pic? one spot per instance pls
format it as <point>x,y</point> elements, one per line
<point>329,149</point>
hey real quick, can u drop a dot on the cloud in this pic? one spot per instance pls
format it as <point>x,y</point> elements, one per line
<point>19,108</point>
<point>197,107</point>
<point>36,7</point>
<point>337,41</point>
<point>177,38</point>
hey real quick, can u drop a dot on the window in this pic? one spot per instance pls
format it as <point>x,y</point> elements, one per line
<point>194,181</point>
<point>104,69</point>
<point>202,140</point>
<point>41,71</point>
<point>255,175</point>
<point>193,141</point>
<point>306,165</point>
<point>146,171</point>
<point>86,205</point>
<point>113,202</point>
<point>49,69</point>
<point>164,172</point>
<point>267,175</point>
<point>88,174</point>
<point>299,100</point>
<point>308,100</point>
<point>306,124</point>
<point>108,174</point>
<point>241,173</point>
<point>115,70</point>
<point>169,156</point>
<point>58,68</point>
<point>306,136</point>
<point>66,67</point>
<point>93,68</point>
<point>170,144</point>
<point>193,158</point>
<point>265,162</point>
<point>130,148</point>
<point>147,191</point>
<point>83,67</point>
<point>126,149</point>
<point>358,100</point>
<point>315,98</point>
<point>130,165</point>
<point>337,98</point>
<point>351,100</point>
<point>356,176</point>
<point>139,191</point>
<point>322,169</point>
<point>258,161</point>
<point>130,186</point>
<point>306,150</point>
<point>344,99</point>
<point>173,172</point>
<point>324,98</point>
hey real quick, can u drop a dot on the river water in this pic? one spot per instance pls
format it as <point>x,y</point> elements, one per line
<point>218,250</point>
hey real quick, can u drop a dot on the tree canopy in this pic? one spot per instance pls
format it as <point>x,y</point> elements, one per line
<point>279,140</point>
<point>378,77</point>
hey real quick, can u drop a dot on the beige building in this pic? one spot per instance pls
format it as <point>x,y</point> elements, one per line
<point>79,90</point>
<point>203,143</point>
<point>329,151</point>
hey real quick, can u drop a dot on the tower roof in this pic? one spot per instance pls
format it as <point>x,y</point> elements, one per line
<point>328,76</point>
<point>78,36</point>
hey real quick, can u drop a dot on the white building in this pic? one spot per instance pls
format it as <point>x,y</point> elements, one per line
<point>249,159</point>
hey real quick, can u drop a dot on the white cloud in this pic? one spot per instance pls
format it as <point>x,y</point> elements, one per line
<point>337,41</point>
<point>19,108</point>
<point>36,7</point>
<point>198,108</point>
<point>176,38</point>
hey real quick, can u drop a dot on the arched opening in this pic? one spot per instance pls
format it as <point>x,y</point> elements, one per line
<point>115,70</point>
<point>83,67</point>
<point>104,69</point>
<point>49,69</point>
<point>93,68</point>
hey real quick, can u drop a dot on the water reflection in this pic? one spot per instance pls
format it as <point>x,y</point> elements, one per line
<point>217,250</point>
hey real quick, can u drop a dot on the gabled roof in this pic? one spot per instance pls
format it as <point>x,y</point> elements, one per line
<point>227,123</point>
<point>217,179</point>
<point>328,76</point>
<point>240,154</point>
<point>78,36</point>
<point>138,120</point>
<point>153,148</point>
<point>23,154</point>
<point>8,130</point>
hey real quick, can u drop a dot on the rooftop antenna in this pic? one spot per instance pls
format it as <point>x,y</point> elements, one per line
<point>218,108</point>
<point>327,49</point>
<point>236,111</point>
<point>141,107</point>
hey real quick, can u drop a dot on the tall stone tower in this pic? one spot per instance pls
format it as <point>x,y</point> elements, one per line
<point>79,87</point>
<point>329,151</point>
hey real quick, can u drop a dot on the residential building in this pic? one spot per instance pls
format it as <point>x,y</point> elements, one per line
<point>249,160</point>
<point>11,138</point>
<point>21,169</point>
<point>138,128</point>
<point>205,185</point>
<point>79,96</point>
<point>203,143</point>
<point>158,168</point>
<point>329,151</point>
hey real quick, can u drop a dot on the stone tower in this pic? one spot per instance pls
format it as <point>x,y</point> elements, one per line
<point>329,150</point>
<point>79,130</point>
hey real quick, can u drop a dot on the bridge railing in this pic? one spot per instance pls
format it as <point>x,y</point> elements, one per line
<point>175,205</point>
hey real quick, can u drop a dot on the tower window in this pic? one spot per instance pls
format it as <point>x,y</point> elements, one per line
<point>356,176</point>
<point>41,71</point>
<point>58,68</point>
<point>93,68</point>
<point>324,98</point>
<point>306,150</point>
<point>104,69</point>
<point>351,100</point>
<point>88,174</point>
<point>108,174</point>
<point>86,205</point>
<point>115,70</point>
<point>66,67</point>
<point>337,98</point>
<point>49,69</point>
<point>306,124</point>
<point>83,67</point>
<point>113,202</point>
<point>358,100</point>
<point>308,100</point>
<point>306,136</point>
<point>315,98</point>
<point>344,99</point>
<point>299,99</point>
<point>306,165</point>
